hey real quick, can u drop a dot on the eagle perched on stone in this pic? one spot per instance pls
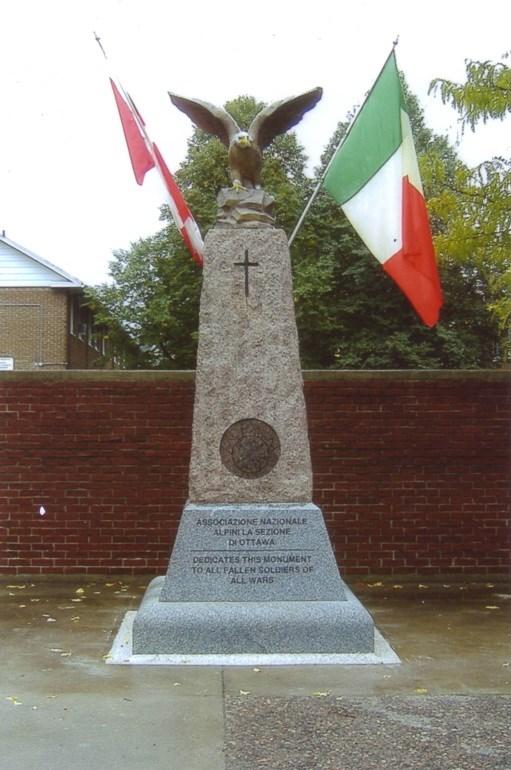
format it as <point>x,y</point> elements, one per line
<point>245,147</point>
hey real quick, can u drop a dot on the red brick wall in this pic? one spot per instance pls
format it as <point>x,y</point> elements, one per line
<point>412,469</point>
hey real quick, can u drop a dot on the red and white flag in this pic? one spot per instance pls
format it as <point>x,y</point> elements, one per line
<point>145,155</point>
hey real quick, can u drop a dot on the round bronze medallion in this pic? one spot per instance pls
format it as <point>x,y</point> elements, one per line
<point>250,448</point>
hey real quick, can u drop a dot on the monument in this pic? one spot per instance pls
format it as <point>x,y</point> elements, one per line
<point>252,569</point>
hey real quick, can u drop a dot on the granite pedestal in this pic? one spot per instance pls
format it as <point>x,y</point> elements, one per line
<point>252,570</point>
<point>251,578</point>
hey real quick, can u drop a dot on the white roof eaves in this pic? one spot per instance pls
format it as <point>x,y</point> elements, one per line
<point>41,285</point>
<point>70,280</point>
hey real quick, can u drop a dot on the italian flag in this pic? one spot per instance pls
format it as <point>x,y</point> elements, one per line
<point>374,176</point>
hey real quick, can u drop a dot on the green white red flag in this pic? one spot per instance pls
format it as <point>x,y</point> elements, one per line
<point>375,177</point>
<point>145,155</point>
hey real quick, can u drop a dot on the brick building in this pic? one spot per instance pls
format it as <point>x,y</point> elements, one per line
<point>44,321</point>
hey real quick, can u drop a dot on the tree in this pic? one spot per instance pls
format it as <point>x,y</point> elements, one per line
<point>486,92</point>
<point>152,304</point>
<point>475,206</point>
<point>349,313</point>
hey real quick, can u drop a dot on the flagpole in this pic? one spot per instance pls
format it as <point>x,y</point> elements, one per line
<point>98,41</point>
<point>343,139</point>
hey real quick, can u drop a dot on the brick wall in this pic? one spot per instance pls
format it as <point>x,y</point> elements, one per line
<point>412,469</point>
<point>33,327</point>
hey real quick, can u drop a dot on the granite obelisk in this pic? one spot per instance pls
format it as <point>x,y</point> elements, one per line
<point>252,569</point>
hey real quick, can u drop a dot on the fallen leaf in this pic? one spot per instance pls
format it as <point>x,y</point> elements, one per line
<point>177,684</point>
<point>321,694</point>
<point>375,585</point>
<point>106,657</point>
<point>35,600</point>
<point>397,586</point>
<point>14,700</point>
<point>80,591</point>
<point>56,649</point>
<point>446,585</point>
<point>257,670</point>
<point>244,692</point>
<point>490,585</point>
<point>75,619</point>
<point>22,605</point>
<point>51,620</point>
<point>109,585</point>
<point>491,607</point>
<point>421,690</point>
<point>65,654</point>
<point>17,586</point>
<point>421,585</point>
<point>76,600</point>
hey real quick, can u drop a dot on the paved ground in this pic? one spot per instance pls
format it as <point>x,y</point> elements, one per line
<point>447,707</point>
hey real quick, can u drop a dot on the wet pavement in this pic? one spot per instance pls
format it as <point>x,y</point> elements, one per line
<point>448,705</point>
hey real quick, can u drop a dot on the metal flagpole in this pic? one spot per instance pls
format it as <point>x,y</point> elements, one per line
<point>316,191</point>
<point>98,41</point>
<point>323,175</point>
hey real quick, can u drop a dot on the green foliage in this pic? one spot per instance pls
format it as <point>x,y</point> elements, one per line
<point>474,206</point>
<point>152,304</point>
<point>349,313</point>
<point>486,92</point>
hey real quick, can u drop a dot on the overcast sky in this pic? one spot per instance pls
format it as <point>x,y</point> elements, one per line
<point>67,190</point>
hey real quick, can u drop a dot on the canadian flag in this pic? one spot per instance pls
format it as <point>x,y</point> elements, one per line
<point>145,155</point>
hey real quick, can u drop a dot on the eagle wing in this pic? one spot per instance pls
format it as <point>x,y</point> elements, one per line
<point>279,117</point>
<point>213,120</point>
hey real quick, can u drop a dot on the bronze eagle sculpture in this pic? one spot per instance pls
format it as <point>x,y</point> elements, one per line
<point>245,147</point>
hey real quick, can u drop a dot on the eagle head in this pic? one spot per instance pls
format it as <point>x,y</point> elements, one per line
<point>242,140</point>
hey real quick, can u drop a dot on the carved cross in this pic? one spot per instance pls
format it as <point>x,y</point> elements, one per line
<point>246,264</point>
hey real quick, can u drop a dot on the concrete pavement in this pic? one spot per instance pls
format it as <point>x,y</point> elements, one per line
<point>446,706</point>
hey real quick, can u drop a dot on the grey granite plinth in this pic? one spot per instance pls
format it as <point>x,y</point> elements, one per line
<point>252,553</point>
<point>251,627</point>
<point>251,578</point>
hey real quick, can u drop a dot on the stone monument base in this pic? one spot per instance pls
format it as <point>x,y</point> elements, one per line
<point>256,578</point>
<point>190,628</point>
